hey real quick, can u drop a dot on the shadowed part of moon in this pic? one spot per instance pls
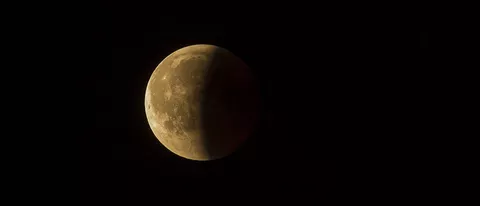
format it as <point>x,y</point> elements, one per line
<point>201,102</point>
<point>229,106</point>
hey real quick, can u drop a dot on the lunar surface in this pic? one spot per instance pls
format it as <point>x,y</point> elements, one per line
<point>201,102</point>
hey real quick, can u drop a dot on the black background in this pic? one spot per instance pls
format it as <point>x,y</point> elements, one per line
<point>336,87</point>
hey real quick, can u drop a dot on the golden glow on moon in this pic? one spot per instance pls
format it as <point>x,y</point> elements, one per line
<point>200,102</point>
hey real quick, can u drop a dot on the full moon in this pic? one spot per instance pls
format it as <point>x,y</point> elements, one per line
<point>201,102</point>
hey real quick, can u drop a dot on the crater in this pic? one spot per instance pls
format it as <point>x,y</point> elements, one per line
<point>168,125</point>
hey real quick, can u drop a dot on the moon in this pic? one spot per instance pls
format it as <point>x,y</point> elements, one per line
<point>201,102</point>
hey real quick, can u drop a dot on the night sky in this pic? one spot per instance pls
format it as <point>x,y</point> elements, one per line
<point>329,92</point>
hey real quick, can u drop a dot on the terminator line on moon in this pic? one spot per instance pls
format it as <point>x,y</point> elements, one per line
<point>201,102</point>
